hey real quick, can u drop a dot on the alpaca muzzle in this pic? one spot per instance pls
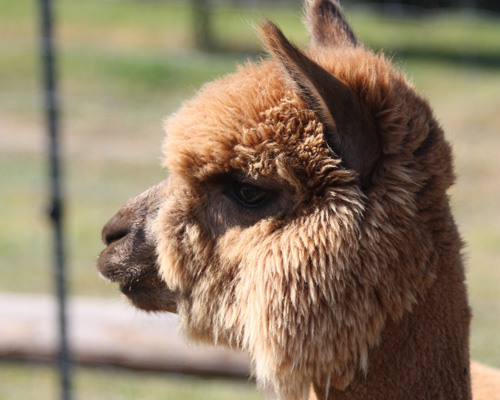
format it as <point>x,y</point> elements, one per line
<point>130,259</point>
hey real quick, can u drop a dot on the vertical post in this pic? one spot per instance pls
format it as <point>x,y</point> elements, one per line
<point>56,204</point>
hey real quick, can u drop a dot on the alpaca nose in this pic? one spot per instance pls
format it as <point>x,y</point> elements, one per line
<point>117,228</point>
<point>132,218</point>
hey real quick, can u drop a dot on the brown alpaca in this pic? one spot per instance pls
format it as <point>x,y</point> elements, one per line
<point>305,221</point>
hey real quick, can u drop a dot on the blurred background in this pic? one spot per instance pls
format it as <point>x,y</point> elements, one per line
<point>123,66</point>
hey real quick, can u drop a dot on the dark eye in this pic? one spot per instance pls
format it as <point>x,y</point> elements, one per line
<point>250,195</point>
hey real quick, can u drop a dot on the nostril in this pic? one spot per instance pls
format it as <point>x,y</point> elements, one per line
<point>109,237</point>
<point>116,229</point>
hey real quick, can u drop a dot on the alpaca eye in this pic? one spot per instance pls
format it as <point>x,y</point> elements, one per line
<point>250,195</point>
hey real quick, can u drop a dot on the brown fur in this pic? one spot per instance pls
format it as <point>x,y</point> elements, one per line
<point>349,275</point>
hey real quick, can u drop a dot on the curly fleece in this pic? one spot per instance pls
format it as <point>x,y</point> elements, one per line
<point>308,293</point>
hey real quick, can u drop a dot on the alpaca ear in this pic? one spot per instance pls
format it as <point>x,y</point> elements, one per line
<point>349,130</point>
<point>327,26</point>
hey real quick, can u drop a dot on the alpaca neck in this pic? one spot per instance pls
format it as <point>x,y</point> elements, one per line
<point>425,355</point>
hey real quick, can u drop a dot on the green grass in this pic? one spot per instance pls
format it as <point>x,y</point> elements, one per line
<point>28,381</point>
<point>126,65</point>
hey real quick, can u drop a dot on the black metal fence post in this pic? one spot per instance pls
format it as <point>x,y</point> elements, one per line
<point>56,204</point>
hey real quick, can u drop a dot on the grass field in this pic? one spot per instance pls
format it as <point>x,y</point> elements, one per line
<point>125,65</point>
<point>35,381</point>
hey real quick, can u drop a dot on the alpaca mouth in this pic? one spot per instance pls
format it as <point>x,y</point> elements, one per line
<point>147,291</point>
<point>125,269</point>
<point>150,296</point>
<point>120,274</point>
<point>138,277</point>
<point>131,278</point>
<point>131,285</point>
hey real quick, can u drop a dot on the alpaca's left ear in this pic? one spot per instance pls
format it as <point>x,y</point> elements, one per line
<point>350,131</point>
<point>327,25</point>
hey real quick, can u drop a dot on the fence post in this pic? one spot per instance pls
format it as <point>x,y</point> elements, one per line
<point>56,205</point>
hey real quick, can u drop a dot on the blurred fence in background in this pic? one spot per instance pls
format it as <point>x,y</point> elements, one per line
<point>124,65</point>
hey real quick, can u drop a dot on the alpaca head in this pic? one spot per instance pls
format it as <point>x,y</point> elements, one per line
<point>296,216</point>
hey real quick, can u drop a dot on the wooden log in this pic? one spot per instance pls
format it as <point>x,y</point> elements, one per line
<point>108,332</point>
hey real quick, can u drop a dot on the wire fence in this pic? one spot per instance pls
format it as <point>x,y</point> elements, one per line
<point>124,65</point>
<point>56,206</point>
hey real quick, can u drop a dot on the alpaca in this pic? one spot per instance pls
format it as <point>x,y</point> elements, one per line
<point>305,221</point>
